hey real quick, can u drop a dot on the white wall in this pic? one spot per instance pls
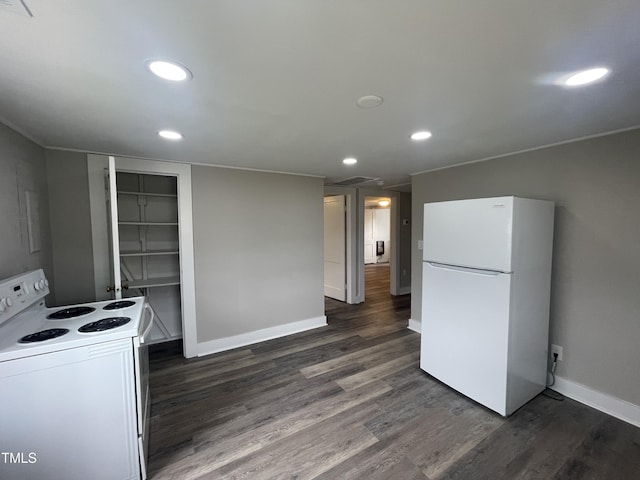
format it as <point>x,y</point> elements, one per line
<point>22,168</point>
<point>258,241</point>
<point>595,301</point>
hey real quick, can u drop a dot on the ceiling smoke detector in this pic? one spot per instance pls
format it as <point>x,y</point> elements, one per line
<point>369,101</point>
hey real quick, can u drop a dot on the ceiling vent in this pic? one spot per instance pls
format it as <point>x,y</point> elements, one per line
<point>15,6</point>
<point>353,181</point>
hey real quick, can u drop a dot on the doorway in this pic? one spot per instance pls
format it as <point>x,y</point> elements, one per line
<point>395,251</point>
<point>377,230</point>
<point>146,234</point>
<point>377,245</point>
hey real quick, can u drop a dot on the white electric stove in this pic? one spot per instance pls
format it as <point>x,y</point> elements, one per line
<point>73,384</point>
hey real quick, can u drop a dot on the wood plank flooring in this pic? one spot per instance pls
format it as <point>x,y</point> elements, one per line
<point>349,401</point>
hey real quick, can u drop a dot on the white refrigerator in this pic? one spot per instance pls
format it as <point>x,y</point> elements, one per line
<point>485,297</point>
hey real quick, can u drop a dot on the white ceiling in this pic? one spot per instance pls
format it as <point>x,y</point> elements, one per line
<point>275,82</point>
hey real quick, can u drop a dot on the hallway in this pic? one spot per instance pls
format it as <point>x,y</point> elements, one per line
<point>380,313</point>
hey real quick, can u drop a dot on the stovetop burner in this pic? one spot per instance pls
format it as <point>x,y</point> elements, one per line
<point>44,335</point>
<point>104,324</point>
<point>70,312</point>
<point>119,304</point>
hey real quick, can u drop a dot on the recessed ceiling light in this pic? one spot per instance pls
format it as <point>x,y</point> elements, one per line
<point>369,101</point>
<point>350,161</point>
<point>586,76</point>
<point>170,134</point>
<point>420,135</point>
<point>169,70</point>
<point>384,203</point>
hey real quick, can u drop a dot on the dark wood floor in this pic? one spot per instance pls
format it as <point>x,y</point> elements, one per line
<point>349,401</point>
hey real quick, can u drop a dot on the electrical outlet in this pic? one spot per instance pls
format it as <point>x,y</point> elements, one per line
<point>556,349</point>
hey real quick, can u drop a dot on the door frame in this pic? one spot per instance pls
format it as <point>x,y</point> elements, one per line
<point>394,234</point>
<point>342,249</point>
<point>355,238</point>
<point>351,252</point>
<point>182,171</point>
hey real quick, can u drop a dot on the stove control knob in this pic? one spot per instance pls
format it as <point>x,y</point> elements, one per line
<point>46,282</point>
<point>4,303</point>
<point>37,286</point>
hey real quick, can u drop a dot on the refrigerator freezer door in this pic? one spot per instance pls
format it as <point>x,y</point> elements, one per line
<point>472,233</point>
<point>465,329</point>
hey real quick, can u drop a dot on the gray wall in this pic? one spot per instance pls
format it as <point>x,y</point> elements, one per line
<point>404,242</point>
<point>258,250</point>
<point>70,227</point>
<point>595,296</point>
<point>22,168</point>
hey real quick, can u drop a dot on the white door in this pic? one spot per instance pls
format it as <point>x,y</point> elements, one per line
<point>472,233</point>
<point>465,331</point>
<point>369,241</point>
<point>335,248</point>
<point>382,232</point>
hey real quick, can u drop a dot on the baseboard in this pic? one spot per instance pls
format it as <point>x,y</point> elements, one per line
<point>243,339</point>
<point>613,406</point>
<point>415,326</point>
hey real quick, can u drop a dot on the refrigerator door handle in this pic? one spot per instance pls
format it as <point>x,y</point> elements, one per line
<point>475,271</point>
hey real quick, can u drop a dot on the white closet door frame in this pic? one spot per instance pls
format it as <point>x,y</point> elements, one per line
<point>182,171</point>
<point>115,231</point>
<point>185,237</point>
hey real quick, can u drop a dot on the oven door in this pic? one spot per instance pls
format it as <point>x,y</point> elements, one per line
<point>141,356</point>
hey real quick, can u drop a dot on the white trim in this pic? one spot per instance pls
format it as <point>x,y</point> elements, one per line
<point>115,240</point>
<point>19,130</point>
<point>613,406</point>
<point>532,149</point>
<point>404,290</point>
<point>243,339</point>
<point>415,326</point>
<point>349,257</point>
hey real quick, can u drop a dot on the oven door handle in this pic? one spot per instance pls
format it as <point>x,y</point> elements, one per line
<point>147,329</point>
